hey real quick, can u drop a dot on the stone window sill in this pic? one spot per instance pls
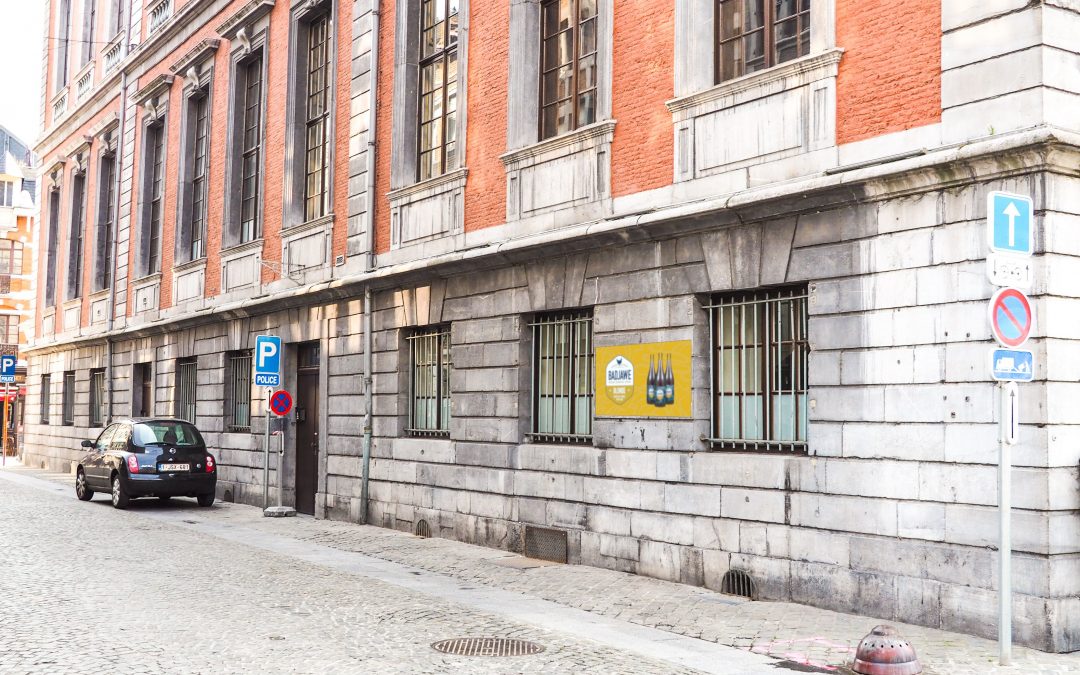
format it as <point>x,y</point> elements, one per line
<point>586,137</point>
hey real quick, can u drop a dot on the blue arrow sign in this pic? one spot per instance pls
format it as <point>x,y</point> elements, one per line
<point>7,368</point>
<point>1009,223</point>
<point>1015,365</point>
<point>267,361</point>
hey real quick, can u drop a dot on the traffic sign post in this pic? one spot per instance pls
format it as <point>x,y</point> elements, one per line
<point>280,404</point>
<point>7,377</point>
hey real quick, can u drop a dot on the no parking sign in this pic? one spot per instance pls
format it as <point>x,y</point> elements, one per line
<point>281,403</point>
<point>1011,317</point>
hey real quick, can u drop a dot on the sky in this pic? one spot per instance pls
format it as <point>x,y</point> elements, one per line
<point>21,26</point>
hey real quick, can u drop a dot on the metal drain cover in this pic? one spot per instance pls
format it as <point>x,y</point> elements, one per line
<point>487,646</point>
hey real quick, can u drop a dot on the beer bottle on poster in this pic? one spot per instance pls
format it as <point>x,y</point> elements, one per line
<point>660,400</point>
<point>669,383</point>
<point>650,384</point>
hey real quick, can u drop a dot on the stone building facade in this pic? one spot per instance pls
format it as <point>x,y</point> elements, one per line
<point>800,230</point>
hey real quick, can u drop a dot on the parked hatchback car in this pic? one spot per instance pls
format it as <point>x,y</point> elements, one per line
<point>147,458</point>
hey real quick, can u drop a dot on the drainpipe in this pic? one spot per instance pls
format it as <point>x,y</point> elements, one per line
<point>369,261</point>
<point>118,170</point>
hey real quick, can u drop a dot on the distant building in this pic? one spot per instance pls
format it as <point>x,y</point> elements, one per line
<point>693,289</point>
<point>18,216</point>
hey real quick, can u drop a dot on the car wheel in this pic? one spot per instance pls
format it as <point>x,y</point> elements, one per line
<point>206,499</point>
<point>119,496</point>
<point>82,491</point>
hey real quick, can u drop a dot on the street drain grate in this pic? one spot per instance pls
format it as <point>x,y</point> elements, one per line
<point>738,582</point>
<point>487,646</point>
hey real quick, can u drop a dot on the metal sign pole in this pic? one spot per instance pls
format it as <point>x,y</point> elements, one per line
<point>266,452</point>
<point>5,433</point>
<point>281,470</point>
<point>1009,400</point>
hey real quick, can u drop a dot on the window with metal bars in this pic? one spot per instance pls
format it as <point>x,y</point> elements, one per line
<point>759,368</point>
<point>46,395</point>
<point>67,402</point>
<point>75,235</point>
<point>317,116</point>
<point>752,35</point>
<point>562,377</point>
<point>238,403</point>
<point>97,397</point>
<point>106,210</point>
<point>429,383</point>
<point>198,122</point>
<point>11,257</point>
<point>251,146</point>
<point>155,138</point>
<point>568,65</point>
<point>186,388</point>
<point>438,86</point>
<point>9,329</point>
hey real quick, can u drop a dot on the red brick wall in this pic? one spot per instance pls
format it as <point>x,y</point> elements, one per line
<point>890,74</point>
<point>384,118</point>
<point>643,77</point>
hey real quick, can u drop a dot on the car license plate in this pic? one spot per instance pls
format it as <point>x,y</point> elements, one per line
<point>170,468</point>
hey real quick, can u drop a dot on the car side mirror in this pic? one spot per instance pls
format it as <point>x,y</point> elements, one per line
<point>88,444</point>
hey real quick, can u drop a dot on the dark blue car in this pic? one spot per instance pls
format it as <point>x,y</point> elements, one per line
<point>160,458</point>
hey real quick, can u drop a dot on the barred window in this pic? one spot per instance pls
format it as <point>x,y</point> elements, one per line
<point>438,86</point>
<point>186,382</point>
<point>317,186</point>
<point>429,386</point>
<point>97,397</point>
<point>759,358</point>
<point>238,403</point>
<point>562,387</point>
<point>251,147</point>
<point>568,65</point>
<point>752,35</point>
<point>68,401</point>
<point>46,394</point>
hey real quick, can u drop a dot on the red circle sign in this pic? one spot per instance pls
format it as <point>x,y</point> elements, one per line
<point>281,403</point>
<point>1011,317</point>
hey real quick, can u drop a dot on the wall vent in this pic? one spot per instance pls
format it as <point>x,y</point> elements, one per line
<point>339,260</point>
<point>422,529</point>
<point>738,582</point>
<point>544,543</point>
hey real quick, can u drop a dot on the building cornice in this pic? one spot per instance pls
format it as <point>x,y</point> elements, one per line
<point>1002,156</point>
<point>244,17</point>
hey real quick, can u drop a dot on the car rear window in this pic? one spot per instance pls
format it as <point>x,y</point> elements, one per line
<point>179,434</point>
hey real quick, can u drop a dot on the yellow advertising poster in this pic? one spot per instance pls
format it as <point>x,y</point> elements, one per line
<point>644,380</point>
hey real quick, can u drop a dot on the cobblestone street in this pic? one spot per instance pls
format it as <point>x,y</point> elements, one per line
<point>176,588</point>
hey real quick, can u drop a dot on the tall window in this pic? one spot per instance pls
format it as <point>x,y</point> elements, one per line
<point>9,329</point>
<point>317,183</point>
<point>186,382</point>
<point>46,394</point>
<point>155,155</point>
<point>68,401</point>
<point>50,265</point>
<point>429,385</point>
<point>562,387</point>
<point>198,159</point>
<point>753,35</point>
<point>75,235</point>
<point>251,147</point>
<point>438,86</point>
<point>567,66</point>
<point>7,193</point>
<point>97,397</point>
<point>89,30</point>
<point>63,37</point>
<point>116,16</point>
<point>11,257</point>
<point>760,353</point>
<point>106,216</point>
<point>238,403</point>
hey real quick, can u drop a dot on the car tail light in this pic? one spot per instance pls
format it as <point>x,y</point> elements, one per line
<point>133,464</point>
<point>209,464</point>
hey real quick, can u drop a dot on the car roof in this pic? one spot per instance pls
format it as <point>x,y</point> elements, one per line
<point>147,420</point>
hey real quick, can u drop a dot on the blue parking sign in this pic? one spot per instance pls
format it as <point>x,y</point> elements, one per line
<point>267,361</point>
<point>1009,223</point>
<point>7,368</point>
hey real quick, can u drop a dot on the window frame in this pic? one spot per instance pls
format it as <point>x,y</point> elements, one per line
<point>768,369</point>
<point>186,385</point>
<point>419,341</point>
<point>449,53</point>
<point>52,254</point>
<point>9,323</point>
<point>153,170</point>
<point>44,396</point>
<point>67,399</point>
<point>76,229</point>
<point>62,65</point>
<point>13,251</point>
<point>576,320</point>
<point>96,412</point>
<point>236,232</point>
<point>7,193</point>
<point>769,30</point>
<point>106,217</point>
<point>194,175</point>
<point>238,388</point>
<point>318,87</point>
<point>89,30</point>
<point>575,30</point>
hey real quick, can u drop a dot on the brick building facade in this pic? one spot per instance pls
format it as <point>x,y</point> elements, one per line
<point>449,209</point>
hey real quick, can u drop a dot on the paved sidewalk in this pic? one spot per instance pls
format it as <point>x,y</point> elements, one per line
<point>801,638</point>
